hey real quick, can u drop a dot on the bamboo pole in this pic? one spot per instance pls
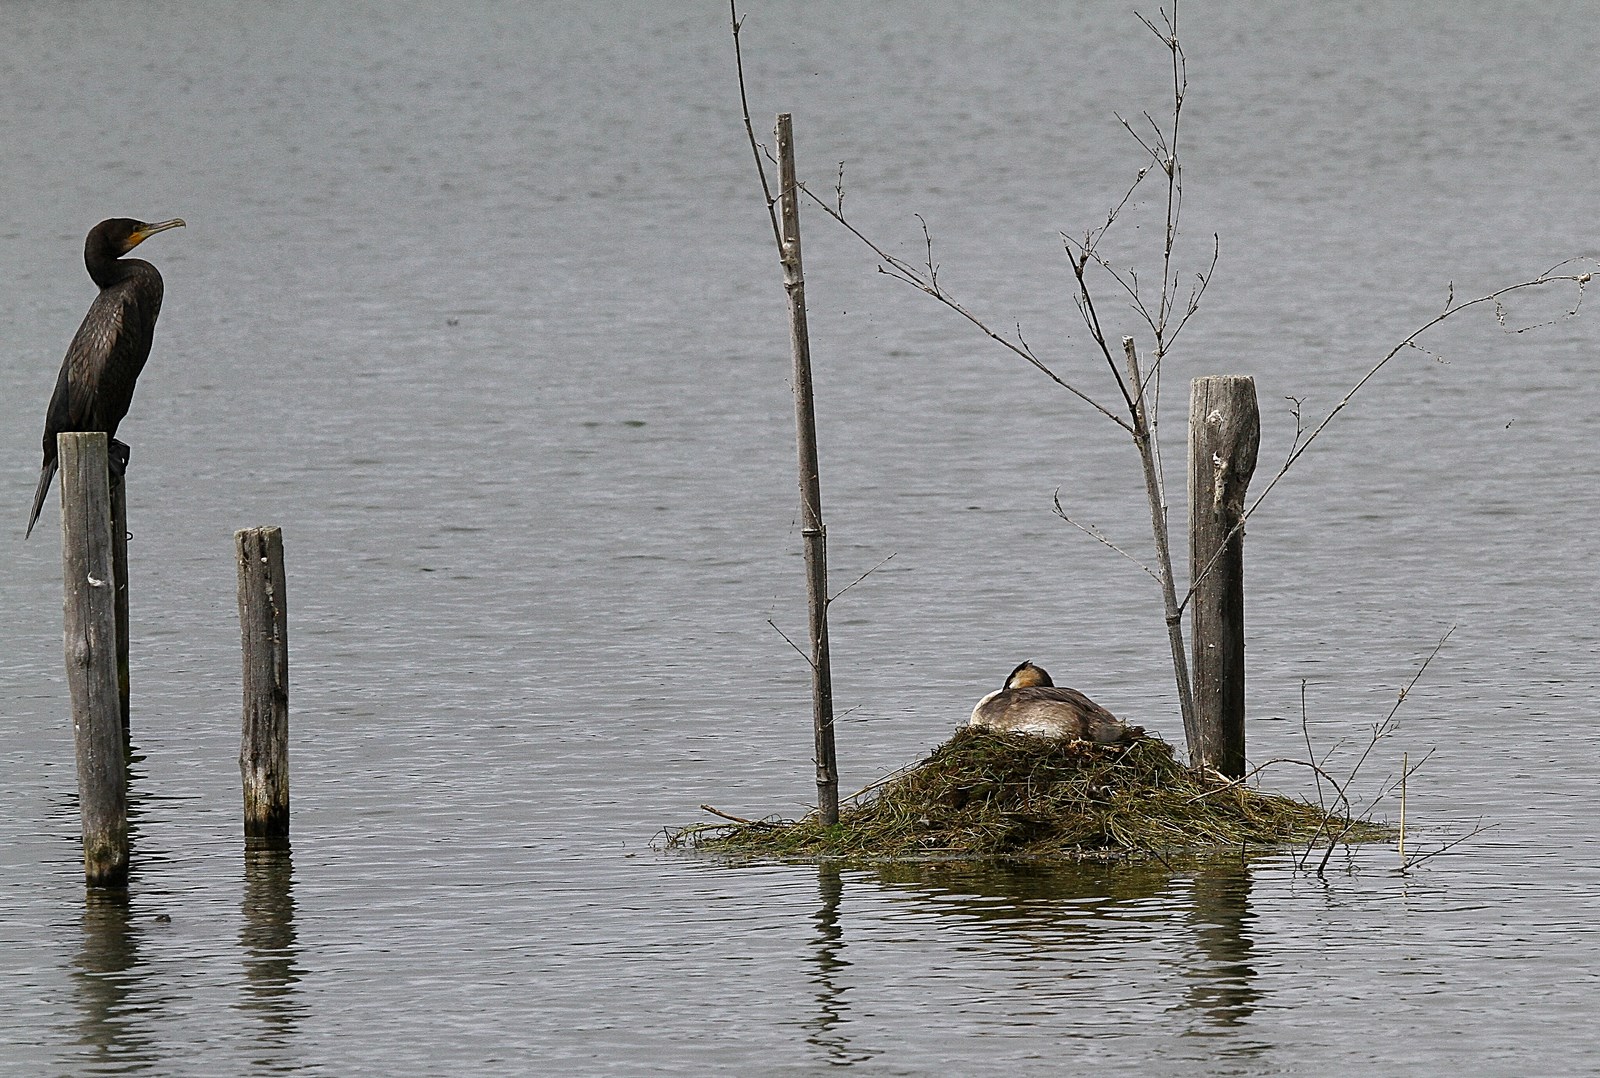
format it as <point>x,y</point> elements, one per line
<point>90,635</point>
<point>1404,767</point>
<point>264,634</point>
<point>811,526</point>
<point>1224,435</point>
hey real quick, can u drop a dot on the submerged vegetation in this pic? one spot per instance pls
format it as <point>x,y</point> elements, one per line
<point>994,795</point>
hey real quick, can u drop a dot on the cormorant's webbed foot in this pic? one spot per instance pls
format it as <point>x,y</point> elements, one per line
<point>118,454</point>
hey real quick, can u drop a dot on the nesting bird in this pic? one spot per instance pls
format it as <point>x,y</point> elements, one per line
<point>1030,703</point>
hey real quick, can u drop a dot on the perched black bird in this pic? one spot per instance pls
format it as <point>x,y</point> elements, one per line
<point>104,360</point>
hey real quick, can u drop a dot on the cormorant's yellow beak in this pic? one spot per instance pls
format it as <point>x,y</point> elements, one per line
<point>146,231</point>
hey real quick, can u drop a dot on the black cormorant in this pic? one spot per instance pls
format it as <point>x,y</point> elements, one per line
<point>95,386</point>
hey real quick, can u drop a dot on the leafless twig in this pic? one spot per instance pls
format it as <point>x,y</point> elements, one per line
<point>900,270</point>
<point>1095,533</point>
<point>1412,862</point>
<point>750,131</point>
<point>859,579</point>
<point>1379,731</point>
<point>791,643</point>
<point>1311,754</point>
<point>1580,280</point>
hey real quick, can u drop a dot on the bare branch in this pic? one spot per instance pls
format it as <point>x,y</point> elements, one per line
<point>1340,787</point>
<point>1410,341</point>
<point>1203,281</point>
<point>1095,534</point>
<point>859,579</point>
<point>1401,697</point>
<point>933,269</point>
<point>791,643</point>
<point>749,129</point>
<point>1154,151</point>
<point>1383,730</point>
<point>1310,753</point>
<point>1093,236</point>
<point>901,270</point>
<point>1412,862</point>
<point>1091,319</point>
<point>1299,423</point>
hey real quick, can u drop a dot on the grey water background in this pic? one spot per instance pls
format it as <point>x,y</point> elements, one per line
<point>479,305</point>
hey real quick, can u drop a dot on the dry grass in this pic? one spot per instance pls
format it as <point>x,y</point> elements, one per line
<point>987,794</point>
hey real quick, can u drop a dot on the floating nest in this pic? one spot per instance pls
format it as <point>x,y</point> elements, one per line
<point>987,794</point>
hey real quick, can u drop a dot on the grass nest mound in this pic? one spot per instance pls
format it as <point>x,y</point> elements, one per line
<point>989,794</point>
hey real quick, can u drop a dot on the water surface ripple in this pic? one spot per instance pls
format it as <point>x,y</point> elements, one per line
<point>479,306</point>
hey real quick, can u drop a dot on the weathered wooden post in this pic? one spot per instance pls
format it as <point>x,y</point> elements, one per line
<point>264,632</point>
<point>1224,434</point>
<point>811,528</point>
<point>90,635</point>
<point>119,563</point>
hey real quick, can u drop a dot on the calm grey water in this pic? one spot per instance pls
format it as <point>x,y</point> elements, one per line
<point>479,306</point>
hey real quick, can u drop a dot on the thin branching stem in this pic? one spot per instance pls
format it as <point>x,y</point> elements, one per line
<point>750,131</point>
<point>798,649</point>
<point>901,270</point>
<point>1095,533</point>
<point>860,578</point>
<point>1311,754</point>
<point>1412,862</point>
<point>1300,445</point>
<point>1379,732</point>
<point>1580,279</point>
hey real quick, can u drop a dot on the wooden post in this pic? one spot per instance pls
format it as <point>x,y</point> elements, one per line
<point>811,527</point>
<point>1224,434</point>
<point>264,632</point>
<point>90,635</point>
<point>119,563</point>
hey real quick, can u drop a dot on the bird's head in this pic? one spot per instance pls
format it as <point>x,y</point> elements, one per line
<point>119,235</point>
<point>1028,676</point>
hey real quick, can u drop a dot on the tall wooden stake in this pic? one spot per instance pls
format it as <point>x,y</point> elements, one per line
<point>1404,767</point>
<point>88,572</point>
<point>1144,441</point>
<point>264,632</point>
<point>811,527</point>
<point>119,562</point>
<point>1224,434</point>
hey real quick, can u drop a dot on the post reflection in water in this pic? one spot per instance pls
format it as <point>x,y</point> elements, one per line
<point>828,1028</point>
<point>1224,989</point>
<point>267,940</point>
<point>106,975</point>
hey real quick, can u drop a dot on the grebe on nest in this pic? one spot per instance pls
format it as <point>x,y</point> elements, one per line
<point>1030,703</point>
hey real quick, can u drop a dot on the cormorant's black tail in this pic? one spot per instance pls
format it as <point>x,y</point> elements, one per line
<point>47,473</point>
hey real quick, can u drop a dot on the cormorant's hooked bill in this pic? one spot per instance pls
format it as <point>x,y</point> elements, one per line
<point>103,361</point>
